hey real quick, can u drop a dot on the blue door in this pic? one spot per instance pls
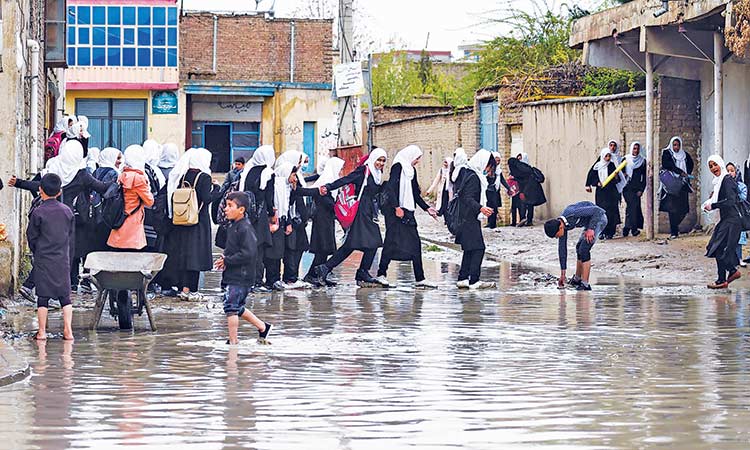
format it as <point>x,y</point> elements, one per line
<point>488,126</point>
<point>308,146</point>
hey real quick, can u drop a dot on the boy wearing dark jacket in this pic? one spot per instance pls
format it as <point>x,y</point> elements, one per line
<point>238,263</point>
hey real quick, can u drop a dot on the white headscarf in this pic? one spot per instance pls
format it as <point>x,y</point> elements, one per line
<point>602,166</point>
<point>459,160</point>
<point>377,174</point>
<point>616,157</point>
<point>68,162</point>
<point>82,127</point>
<point>70,131</point>
<point>680,158</point>
<point>524,158</point>
<point>152,149</point>
<point>194,158</point>
<point>330,173</point>
<point>292,157</point>
<point>92,158</point>
<point>716,180</point>
<point>135,157</point>
<point>282,190</point>
<point>478,163</point>
<point>61,126</point>
<point>444,171</point>
<point>169,156</point>
<point>322,164</point>
<point>634,162</point>
<point>264,155</point>
<point>406,157</point>
<point>108,158</point>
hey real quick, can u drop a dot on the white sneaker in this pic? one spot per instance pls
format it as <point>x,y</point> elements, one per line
<point>381,280</point>
<point>299,284</point>
<point>195,296</point>
<point>482,285</point>
<point>463,284</point>
<point>183,295</point>
<point>426,284</point>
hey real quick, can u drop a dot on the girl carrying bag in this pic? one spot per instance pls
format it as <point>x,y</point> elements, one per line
<point>347,204</point>
<point>185,207</point>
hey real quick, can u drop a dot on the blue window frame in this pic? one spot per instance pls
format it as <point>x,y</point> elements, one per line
<point>144,36</point>
<point>159,16</point>
<point>99,36</point>
<point>128,57</point>
<point>113,15</point>
<point>128,36</point>
<point>84,15</point>
<point>172,37</point>
<point>160,57</point>
<point>100,15</point>
<point>244,137</point>
<point>159,36</point>
<point>144,57</point>
<point>84,35</point>
<point>172,57</point>
<point>71,36</point>
<point>113,56</point>
<point>71,15</point>
<point>99,56</point>
<point>113,36</point>
<point>144,15</point>
<point>128,15</point>
<point>84,56</point>
<point>171,16</point>
<point>71,56</point>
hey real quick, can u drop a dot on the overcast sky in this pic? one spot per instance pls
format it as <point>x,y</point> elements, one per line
<point>449,24</point>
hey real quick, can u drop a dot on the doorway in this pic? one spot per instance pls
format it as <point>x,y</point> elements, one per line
<point>218,143</point>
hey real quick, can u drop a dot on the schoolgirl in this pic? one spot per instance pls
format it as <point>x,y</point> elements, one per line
<point>635,172</point>
<point>607,197</point>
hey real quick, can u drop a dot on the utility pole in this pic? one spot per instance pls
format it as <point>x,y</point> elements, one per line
<point>348,106</point>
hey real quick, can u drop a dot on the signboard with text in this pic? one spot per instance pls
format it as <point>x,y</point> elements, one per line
<point>164,102</point>
<point>348,80</point>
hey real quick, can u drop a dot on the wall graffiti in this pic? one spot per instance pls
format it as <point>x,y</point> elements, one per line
<point>239,108</point>
<point>288,130</point>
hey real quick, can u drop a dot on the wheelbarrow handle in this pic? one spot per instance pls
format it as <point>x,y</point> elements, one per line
<point>91,278</point>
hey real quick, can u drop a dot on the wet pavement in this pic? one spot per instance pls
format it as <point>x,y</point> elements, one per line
<point>526,365</point>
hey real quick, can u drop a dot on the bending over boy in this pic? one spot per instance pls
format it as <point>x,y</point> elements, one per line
<point>50,232</point>
<point>592,219</point>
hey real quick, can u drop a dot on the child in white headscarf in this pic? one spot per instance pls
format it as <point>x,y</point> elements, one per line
<point>635,173</point>
<point>607,197</point>
<point>675,159</point>
<point>723,244</point>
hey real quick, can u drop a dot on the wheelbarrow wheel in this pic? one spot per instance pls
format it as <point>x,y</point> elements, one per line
<point>124,310</point>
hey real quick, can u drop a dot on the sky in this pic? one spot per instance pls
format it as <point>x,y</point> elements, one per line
<point>449,23</point>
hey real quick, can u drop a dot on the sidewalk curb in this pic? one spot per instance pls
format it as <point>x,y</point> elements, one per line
<point>13,367</point>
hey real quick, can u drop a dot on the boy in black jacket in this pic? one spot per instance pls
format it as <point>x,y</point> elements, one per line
<point>238,263</point>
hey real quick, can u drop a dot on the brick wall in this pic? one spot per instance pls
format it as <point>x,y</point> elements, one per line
<point>250,47</point>
<point>389,113</point>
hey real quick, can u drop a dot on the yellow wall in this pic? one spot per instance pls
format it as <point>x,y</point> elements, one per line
<point>161,127</point>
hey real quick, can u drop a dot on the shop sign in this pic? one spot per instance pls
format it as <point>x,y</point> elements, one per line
<point>164,102</point>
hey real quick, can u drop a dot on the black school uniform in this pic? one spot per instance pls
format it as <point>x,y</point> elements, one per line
<point>468,189</point>
<point>633,210</point>
<point>264,204</point>
<point>364,234</point>
<point>50,235</point>
<point>677,206</point>
<point>530,188</point>
<point>99,233</point>
<point>723,243</point>
<point>296,242</point>
<point>607,198</point>
<point>323,235</point>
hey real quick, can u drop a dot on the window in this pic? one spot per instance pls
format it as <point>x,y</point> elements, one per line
<point>55,49</point>
<point>130,36</point>
<point>114,122</point>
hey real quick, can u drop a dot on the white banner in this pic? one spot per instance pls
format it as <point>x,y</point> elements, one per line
<point>348,80</point>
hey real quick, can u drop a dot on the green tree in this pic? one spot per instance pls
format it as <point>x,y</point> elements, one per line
<point>394,80</point>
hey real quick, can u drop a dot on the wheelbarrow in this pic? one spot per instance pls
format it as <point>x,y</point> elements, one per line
<point>111,272</point>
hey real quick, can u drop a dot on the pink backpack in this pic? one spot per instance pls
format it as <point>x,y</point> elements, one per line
<point>347,203</point>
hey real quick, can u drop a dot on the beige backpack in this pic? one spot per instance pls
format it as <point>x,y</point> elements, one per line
<point>185,207</point>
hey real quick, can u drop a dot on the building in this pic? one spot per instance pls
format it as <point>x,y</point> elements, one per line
<point>470,52</point>
<point>31,66</point>
<point>436,56</point>
<point>251,80</point>
<point>123,71</point>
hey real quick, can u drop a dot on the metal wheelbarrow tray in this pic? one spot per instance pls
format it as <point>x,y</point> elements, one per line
<point>122,271</point>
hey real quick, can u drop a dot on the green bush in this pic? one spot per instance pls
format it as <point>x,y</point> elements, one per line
<point>604,81</point>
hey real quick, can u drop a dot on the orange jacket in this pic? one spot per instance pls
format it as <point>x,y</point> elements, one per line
<point>131,234</point>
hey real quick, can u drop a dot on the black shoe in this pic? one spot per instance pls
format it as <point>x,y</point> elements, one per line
<point>169,293</point>
<point>626,232</point>
<point>575,281</point>
<point>319,274</point>
<point>309,278</point>
<point>636,233</point>
<point>264,334</point>
<point>602,237</point>
<point>262,289</point>
<point>583,287</point>
<point>364,279</point>
<point>329,281</point>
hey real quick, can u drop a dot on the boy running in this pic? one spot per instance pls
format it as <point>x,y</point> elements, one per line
<point>592,219</point>
<point>238,263</point>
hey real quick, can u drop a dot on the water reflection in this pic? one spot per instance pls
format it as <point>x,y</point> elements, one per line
<point>623,367</point>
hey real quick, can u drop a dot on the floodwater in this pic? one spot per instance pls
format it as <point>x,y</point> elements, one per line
<point>520,367</point>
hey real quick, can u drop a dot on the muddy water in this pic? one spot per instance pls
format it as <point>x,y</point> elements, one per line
<point>525,366</point>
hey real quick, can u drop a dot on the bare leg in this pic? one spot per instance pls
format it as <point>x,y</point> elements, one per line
<point>41,317</point>
<point>579,270</point>
<point>257,323</point>
<point>586,271</point>
<point>68,322</point>
<point>233,323</point>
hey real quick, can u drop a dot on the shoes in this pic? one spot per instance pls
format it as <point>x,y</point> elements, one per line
<point>734,276</point>
<point>278,286</point>
<point>583,287</point>
<point>521,224</point>
<point>261,289</point>
<point>463,284</point>
<point>718,285</point>
<point>746,260</point>
<point>672,237</point>
<point>309,278</point>
<point>195,297</point>
<point>602,237</point>
<point>482,285</point>
<point>319,274</point>
<point>575,281</point>
<point>264,334</point>
<point>182,295</point>
<point>299,284</point>
<point>383,281</point>
<point>743,264</point>
<point>27,293</point>
<point>364,279</point>
<point>626,232</point>
<point>426,284</point>
<point>329,281</point>
<point>635,233</point>
<point>85,288</point>
<point>171,292</point>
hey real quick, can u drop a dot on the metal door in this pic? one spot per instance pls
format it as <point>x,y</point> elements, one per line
<point>308,145</point>
<point>488,126</point>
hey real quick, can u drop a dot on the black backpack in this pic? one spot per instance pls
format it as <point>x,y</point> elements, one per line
<point>538,175</point>
<point>113,207</point>
<point>83,210</point>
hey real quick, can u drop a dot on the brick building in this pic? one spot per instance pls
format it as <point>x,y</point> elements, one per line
<point>253,80</point>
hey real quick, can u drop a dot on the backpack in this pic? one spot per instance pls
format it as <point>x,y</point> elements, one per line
<point>252,211</point>
<point>82,208</point>
<point>453,219</point>
<point>347,203</point>
<point>537,174</point>
<point>113,207</point>
<point>185,207</point>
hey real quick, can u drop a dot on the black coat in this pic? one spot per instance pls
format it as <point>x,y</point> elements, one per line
<point>297,240</point>
<point>264,203</point>
<point>402,241</point>
<point>189,247</point>
<point>469,194</point>
<point>607,198</point>
<point>637,183</point>
<point>676,204</point>
<point>240,254</point>
<point>50,235</point>
<point>98,234</point>
<point>530,187</point>
<point>723,243</point>
<point>323,236</point>
<point>364,234</point>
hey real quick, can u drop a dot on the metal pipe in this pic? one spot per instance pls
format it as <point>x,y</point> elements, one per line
<point>34,113</point>
<point>291,53</point>
<point>718,96</point>
<point>216,33</point>
<point>652,211</point>
<point>370,107</point>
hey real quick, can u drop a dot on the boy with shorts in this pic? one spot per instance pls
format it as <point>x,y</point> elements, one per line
<point>592,219</point>
<point>238,263</point>
<point>50,233</point>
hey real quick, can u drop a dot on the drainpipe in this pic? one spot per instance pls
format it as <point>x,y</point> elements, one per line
<point>291,54</point>
<point>216,33</point>
<point>34,119</point>
<point>718,95</point>
<point>652,213</point>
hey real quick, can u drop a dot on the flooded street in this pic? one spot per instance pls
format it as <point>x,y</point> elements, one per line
<point>522,366</point>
